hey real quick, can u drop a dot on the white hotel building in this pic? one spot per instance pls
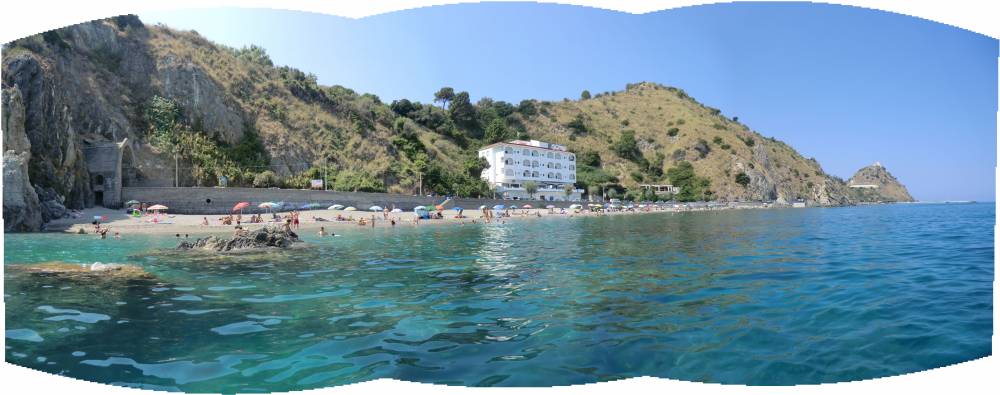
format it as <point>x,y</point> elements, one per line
<point>513,163</point>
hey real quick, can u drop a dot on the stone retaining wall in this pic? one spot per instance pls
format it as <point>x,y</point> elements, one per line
<point>192,200</point>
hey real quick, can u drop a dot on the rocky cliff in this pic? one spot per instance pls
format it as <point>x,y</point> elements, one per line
<point>874,184</point>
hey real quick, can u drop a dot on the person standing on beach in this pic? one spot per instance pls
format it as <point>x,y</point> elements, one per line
<point>373,220</point>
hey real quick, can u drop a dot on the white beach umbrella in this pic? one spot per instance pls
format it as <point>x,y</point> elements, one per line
<point>336,207</point>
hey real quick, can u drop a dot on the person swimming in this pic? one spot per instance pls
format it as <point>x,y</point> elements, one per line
<point>322,231</point>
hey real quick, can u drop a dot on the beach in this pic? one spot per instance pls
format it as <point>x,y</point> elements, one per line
<point>310,220</point>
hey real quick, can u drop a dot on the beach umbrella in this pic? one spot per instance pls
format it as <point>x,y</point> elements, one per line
<point>575,206</point>
<point>336,207</point>
<point>240,206</point>
<point>374,208</point>
<point>132,202</point>
<point>310,206</point>
<point>527,206</point>
<point>156,211</point>
<point>513,206</point>
<point>422,208</point>
<point>550,206</point>
<point>351,208</point>
<point>267,205</point>
<point>459,209</point>
<point>483,207</point>
<point>498,207</point>
<point>396,210</point>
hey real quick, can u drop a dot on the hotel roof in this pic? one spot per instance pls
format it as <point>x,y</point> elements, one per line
<point>527,144</point>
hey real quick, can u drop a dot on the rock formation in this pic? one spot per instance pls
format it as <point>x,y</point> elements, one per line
<point>266,237</point>
<point>875,184</point>
<point>75,271</point>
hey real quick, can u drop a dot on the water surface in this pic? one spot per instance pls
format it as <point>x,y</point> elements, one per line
<point>753,297</point>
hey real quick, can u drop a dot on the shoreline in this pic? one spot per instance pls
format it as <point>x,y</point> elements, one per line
<point>191,224</point>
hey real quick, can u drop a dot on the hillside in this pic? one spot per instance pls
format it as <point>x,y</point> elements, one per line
<point>232,112</point>
<point>878,185</point>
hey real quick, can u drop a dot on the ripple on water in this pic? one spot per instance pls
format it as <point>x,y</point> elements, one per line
<point>23,334</point>
<point>296,297</point>
<point>73,315</point>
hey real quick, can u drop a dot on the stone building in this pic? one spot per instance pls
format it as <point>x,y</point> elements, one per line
<point>111,167</point>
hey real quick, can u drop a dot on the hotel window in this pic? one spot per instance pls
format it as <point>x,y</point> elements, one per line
<point>550,175</point>
<point>558,176</point>
<point>572,158</point>
<point>508,162</point>
<point>534,153</point>
<point>527,173</point>
<point>558,156</point>
<point>534,163</point>
<point>549,165</point>
<point>534,174</point>
<point>571,167</point>
<point>572,176</point>
<point>506,150</point>
<point>549,155</point>
<point>558,166</point>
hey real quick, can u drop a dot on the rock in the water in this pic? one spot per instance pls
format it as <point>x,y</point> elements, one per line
<point>106,271</point>
<point>266,237</point>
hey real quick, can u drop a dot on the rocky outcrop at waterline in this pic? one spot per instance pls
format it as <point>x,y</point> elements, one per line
<point>874,184</point>
<point>264,238</point>
<point>75,271</point>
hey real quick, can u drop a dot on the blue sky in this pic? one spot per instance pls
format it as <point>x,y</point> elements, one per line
<point>845,85</point>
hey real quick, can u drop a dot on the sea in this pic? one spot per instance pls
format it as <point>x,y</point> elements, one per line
<point>757,297</point>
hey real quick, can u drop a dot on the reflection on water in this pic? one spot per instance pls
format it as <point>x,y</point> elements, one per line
<point>758,297</point>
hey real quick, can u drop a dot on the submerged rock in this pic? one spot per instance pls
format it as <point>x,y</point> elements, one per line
<point>97,270</point>
<point>266,237</point>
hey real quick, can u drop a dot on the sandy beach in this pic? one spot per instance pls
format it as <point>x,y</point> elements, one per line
<point>310,221</point>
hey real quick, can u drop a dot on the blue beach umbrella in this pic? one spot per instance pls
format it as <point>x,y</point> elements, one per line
<point>498,207</point>
<point>422,208</point>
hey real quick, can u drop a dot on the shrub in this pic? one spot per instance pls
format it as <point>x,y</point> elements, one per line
<point>742,179</point>
<point>585,95</point>
<point>702,147</point>
<point>266,179</point>
<point>672,132</point>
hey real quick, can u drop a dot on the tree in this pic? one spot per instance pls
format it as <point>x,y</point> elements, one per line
<point>527,108</point>
<point>444,95</point>
<point>568,189</point>
<point>626,146</point>
<point>461,110</point>
<point>743,179</point>
<point>497,131</point>
<point>692,187</point>
<point>531,188</point>
<point>585,95</point>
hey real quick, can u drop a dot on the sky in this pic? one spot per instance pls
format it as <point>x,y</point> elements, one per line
<point>848,86</point>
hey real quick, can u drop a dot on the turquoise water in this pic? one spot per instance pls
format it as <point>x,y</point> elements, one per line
<point>757,296</point>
